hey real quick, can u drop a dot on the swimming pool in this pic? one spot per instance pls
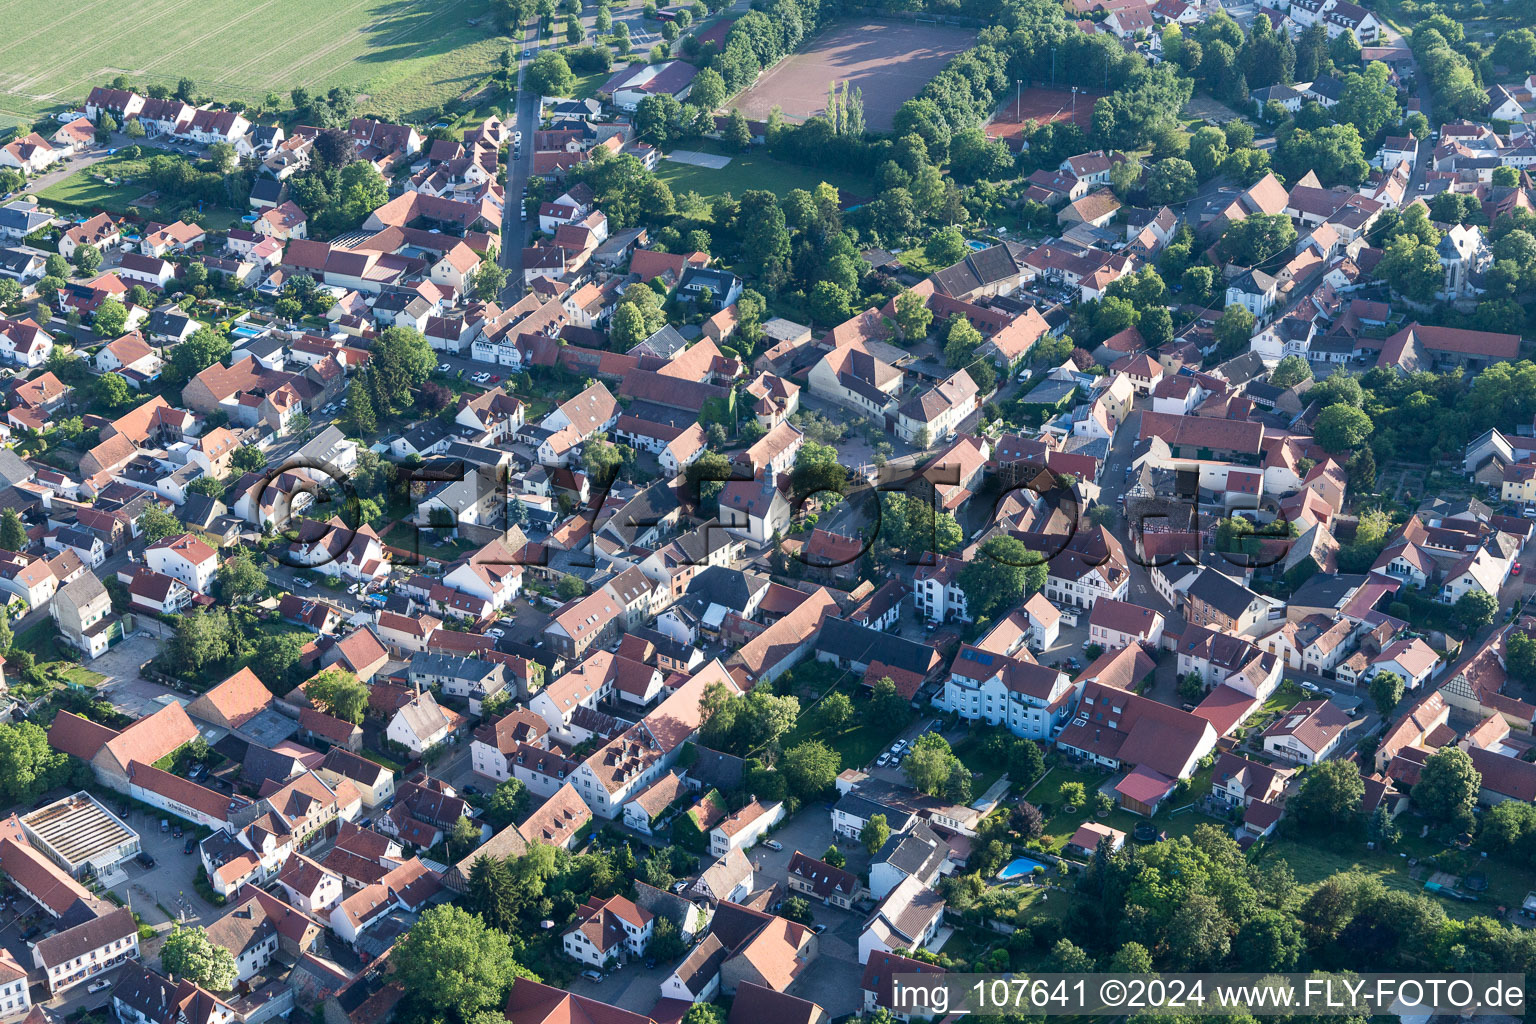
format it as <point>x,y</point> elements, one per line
<point>1019,867</point>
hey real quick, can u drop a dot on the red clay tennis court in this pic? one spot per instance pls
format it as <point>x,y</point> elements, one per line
<point>889,60</point>
<point>1041,105</point>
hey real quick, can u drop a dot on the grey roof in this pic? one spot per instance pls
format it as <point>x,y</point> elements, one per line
<point>1222,593</point>
<point>917,852</point>
<point>666,342</point>
<point>729,587</point>
<point>13,470</point>
<point>853,642</point>
<point>863,808</point>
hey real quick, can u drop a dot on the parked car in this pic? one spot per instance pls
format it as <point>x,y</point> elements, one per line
<point>443,367</point>
<point>190,845</point>
<point>165,824</point>
<point>773,844</point>
<point>32,933</point>
<point>1309,687</point>
<point>176,831</point>
<point>592,975</point>
<point>145,859</point>
<point>883,760</point>
<point>100,984</point>
<point>1516,570</point>
<point>818,928</point>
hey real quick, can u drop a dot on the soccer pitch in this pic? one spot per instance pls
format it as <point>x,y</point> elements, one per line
<point>407,55</point>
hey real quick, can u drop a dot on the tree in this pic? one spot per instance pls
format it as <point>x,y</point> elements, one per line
<point>1255,240</point>
<point>1001,576</point>
<point>1069,958</point>
<point>463,837</point>
<point>1207,149</point>
<point>1382,828</point>
<point>764,241</point>
<point>1519,650</point>
<point>912,315</point>
<point>157,524</point>
<point>549,75</point>
<point>29,767</point>
<point>111,391</point>
<point>810,768</point>
<point>1290,371</point>
<point>961,341</point>
<point>658,118</point>
<point>875,833</point>
<point>1475,609</point>
<point>1172,180</point>
<point>887,707</point>
<point>402,360</point>
<point>240,579</point>
<point>1027,820</point>
<point>945,247</point>
<point>13,532</point>
<point>188,953</point>
<point>704,1013</point>
<point>276,659</point>
<point>111,318</point>
<point>507,803</point>
<point>738,133</point>
<point>10,292</point>
<point>829,303</point>
<point>490,279</point>
<point>247,459</point>
<point>1411,268</point>
<point>206,347</point>
<point>1234,330</point>
<point>1448,786</point>
<point>359,419</point>
<point>456,963</point>
<point>491,892</point>
<point>87,259</point>
<point>836,709</point>
<point>1330,794</point>
<point>338,693</point>
<point>1386,691</point>
<point>931,764</point>
<point>1341,428</point>
<point>1268,941</point>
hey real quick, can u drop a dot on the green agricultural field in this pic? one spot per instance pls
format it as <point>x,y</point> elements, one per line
<point>407,57</point>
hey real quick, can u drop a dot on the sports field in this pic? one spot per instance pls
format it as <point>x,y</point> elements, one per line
<point>407,55</point>
<point>1042,106</point>
<point>889,60</point>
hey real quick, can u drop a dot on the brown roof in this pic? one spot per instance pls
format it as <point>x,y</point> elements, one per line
<point>78,737</point>
<point>150,739</point>
<point>236,700</point>
<point>1314,723</point>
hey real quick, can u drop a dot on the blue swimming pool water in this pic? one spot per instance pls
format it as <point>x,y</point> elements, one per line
<point>1019,867</point>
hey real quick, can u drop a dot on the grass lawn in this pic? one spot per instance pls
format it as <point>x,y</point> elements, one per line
<point>752,170</point>
<point>1312,862</point>
<point>405,59</point>
<point>1059,825</point>
<point>984,770</point>
<point>587,84</point>
<point>87,192</point>
<point>81,676</point>
<point>41,641</point>
<point>859,740</point>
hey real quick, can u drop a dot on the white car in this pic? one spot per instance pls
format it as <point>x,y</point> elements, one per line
<point>1309,687</point>
<point>773,844</point>
<point>99,985</point>
<point>883,760</point>
<point>497,633</point>
<point>443,367</point>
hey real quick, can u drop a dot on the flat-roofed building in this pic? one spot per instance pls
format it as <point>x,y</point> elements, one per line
<point>80,835</point>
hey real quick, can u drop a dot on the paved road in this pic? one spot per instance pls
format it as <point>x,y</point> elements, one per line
<point>514,230</point>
